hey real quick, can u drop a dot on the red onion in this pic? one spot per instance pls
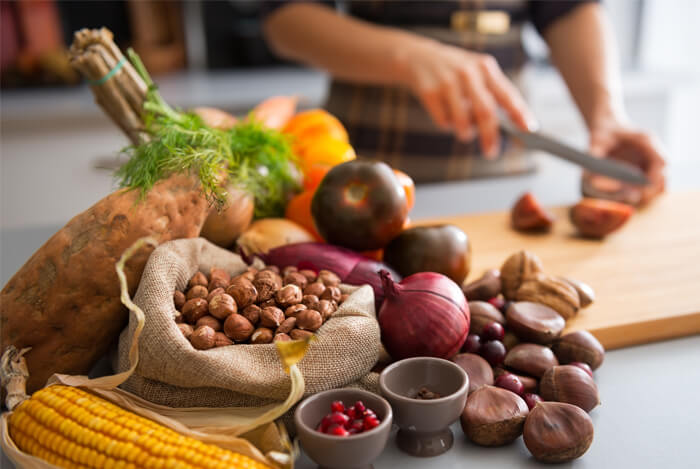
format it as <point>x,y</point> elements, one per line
<point>424,315</point>
<point>352,268</point>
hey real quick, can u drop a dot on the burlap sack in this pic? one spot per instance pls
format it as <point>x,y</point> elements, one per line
<point>172,373</point>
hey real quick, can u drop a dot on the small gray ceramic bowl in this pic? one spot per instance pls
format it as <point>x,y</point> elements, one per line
<point>342,452</point>
<point>424,424</point>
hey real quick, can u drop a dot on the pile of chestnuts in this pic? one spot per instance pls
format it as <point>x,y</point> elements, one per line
<point>526,378</point>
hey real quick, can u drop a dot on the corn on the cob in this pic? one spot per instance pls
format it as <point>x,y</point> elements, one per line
<point>72,428</point>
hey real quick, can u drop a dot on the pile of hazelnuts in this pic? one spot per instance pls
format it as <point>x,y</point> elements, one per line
<point>255,307</point>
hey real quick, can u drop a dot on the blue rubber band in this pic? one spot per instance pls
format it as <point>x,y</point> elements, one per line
<point>109,75</point>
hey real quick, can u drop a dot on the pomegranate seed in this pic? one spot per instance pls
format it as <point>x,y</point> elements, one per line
<point>337,406</point>
<point>369,413</point>
<point>352,431</point>
<point>510,382</point>
<point>360,406</point>
<point>325,423</point>
<point>370,422</point>
<point>351,412</point>
<point>493,331</point>
<point>498,302</point>
<point>320,428</point>
<point>531,399</point>
<point>337,430</point>
<point>584,366</point>
<point>338,418</point>
<point>493,352</point>
<point>357,425</point>
<point>472,344</point>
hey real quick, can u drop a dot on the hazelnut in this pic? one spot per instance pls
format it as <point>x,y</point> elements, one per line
<point>198,291</point>
<point>222,305</point>
<point>271,317</point>
<point>328,278</point>
<point>178,317</point>
<point>485,288</point>
<point>286,326</point>
<point>309,320</point>
<point>309,274</point>
<point>531,359</point>
<point>326,308</point>
<point>214,292</point>
<point>316,288</point>
<point>179,299</point>
<point>220,340</point>
<point>252,313</point>
<point>272,268</point>
<point>203,338</point>
<point>586,295</point>
<point>288,295</point>
<point>198,279</point>
<point>252,270</point>
<point>267,303</point>
<point>331,293</point>
<point>483,313</point>
<point>238,328</point>
<point>262,335</point>
<point>293,310</point>
<point>568,383</point>
<point>478,370</point>
<point>552,292</point>
<point>516,269</point>
<point>579,346</point>
<point>295,278</point>
<point>343,298</point>
<point>195,309</point>
<point>186,330</point>
<point>281,337</point>
<point>218,278</point>
<point>534,322</point>
<point>243,291</point>
<point>557,432</point>
<point>210,321</point>
<point>247,275</point>
<point>298,334</point>
<point>267,283</point>
<point>310,301</point>
<point>289,269</point>
<point>493,416</point>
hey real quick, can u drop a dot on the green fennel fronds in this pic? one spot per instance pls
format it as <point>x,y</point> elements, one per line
<point>250,155</point>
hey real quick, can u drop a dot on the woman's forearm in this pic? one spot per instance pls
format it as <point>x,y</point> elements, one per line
<point>583,48</point>
<point>347,48</point>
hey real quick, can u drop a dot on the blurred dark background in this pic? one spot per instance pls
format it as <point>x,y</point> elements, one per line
<point>168,35</point>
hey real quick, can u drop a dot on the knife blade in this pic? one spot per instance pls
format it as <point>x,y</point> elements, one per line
<point>605,166</point>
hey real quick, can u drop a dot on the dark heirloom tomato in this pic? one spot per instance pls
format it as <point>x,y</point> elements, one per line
<point>444,249</point>
<point>360,205</point>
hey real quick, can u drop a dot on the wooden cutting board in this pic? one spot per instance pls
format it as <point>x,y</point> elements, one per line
<point>646,275</point>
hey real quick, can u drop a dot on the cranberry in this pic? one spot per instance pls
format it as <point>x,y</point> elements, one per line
<point>493,331</point>
<point>337,430</point>
<point>370,422</point>
<point>531,399</point>
<point>493,352</point>
<point>498,302</point>
<point>360,407</point>
<point>472,344</point>
<point>510,382</point>
<point>584,366</point>
<point>337,406</point>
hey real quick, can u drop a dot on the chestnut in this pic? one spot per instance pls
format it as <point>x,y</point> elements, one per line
<point>483,313</point>
<point>534,322</point>
<point>579,346</point>
<point>493,416</point>
<point>484,288</point>
<point>557,432</point>
<point>531,359</point>
<point>568,383</point>
<point>478,370</point>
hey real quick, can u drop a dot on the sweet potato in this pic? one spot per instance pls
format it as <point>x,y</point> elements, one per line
<point>64,302</point>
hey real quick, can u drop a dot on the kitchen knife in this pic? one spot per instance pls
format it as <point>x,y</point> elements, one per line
<point>605,166</point>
